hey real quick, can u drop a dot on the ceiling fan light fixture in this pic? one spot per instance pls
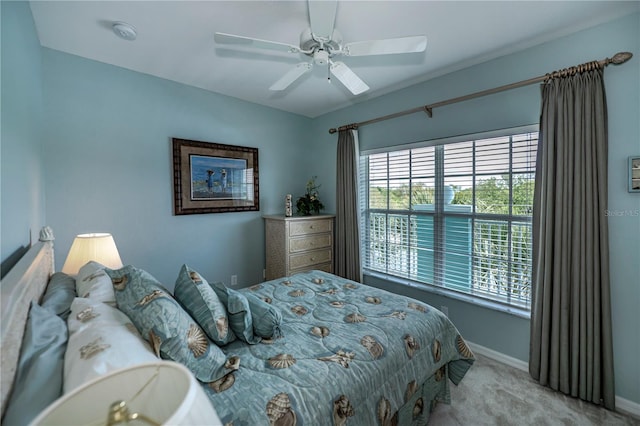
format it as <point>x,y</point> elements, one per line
<point>321,57</point>
<point>124,31</point>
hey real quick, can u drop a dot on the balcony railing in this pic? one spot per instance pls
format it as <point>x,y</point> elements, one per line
<point>483,257</point>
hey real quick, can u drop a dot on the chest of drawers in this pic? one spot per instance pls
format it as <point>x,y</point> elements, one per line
<point>298,243</point>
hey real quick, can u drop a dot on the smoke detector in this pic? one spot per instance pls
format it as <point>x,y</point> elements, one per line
<point>124,31</point>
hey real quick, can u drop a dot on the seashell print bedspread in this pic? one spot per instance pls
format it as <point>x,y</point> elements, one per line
<point>350,355</point>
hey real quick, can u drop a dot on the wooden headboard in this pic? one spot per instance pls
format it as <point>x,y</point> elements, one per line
<point>25,282</point>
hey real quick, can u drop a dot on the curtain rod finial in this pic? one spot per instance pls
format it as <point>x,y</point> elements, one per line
<point>621,58</point>
<point>332,131</point>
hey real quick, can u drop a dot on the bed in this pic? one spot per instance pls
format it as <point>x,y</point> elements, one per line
<point>341,353</point>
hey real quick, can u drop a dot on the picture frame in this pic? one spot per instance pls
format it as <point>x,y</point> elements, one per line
<point>634,173</point>
<point>214,178</point>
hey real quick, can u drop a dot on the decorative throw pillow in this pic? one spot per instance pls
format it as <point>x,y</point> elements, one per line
<point>198,298</point>
<point>238,312</point>
<point>171,331</point>
<point>93,283</point>
<point>59,294</point>
<point>38,379</point>
<point>266,318</point>
<point>101,339</point>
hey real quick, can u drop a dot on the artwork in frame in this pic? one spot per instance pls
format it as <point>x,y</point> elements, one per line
<point>634,174</point>
<point>214,178</point>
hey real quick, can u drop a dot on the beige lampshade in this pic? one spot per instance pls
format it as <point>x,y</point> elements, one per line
<point>99,247</point>
<point>165,392</point>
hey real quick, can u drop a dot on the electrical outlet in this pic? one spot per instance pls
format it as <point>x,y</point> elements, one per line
<point>445,310</point>
<point>234,280</point>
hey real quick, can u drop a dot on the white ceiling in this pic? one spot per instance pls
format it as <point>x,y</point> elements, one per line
<point>176,40</point>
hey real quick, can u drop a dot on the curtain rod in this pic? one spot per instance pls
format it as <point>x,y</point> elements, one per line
<point>617,59</point>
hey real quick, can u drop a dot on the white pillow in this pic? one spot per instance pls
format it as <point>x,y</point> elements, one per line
<point>101,339</point>
<point>93,283</point>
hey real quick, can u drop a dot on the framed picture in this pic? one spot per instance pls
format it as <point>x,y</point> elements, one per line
<point>634,174</point>
<point>214,178</point>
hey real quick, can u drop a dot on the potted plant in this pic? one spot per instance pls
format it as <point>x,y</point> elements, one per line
<point>309,203</point>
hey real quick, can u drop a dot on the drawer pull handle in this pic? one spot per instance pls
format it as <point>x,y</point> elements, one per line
<point>310,226</point>
<point>312,259</point>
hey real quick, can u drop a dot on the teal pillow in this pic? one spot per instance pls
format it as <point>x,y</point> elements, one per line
<point>201,302</point>
<point>39,372</point>
<point>160,319</point>
<point>266,318</point>
<point>59,294</point>
<point>238,312</point>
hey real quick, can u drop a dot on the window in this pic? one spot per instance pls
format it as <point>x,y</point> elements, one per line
<point>455,215</point>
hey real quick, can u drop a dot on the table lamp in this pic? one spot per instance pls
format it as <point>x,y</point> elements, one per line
<point>157,393</point>
<point>99,247</point>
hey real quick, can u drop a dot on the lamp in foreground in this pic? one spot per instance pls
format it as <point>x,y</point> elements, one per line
<point>99,247</point>
<point>161,393</point>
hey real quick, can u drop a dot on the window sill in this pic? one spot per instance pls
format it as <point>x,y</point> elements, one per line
<point>496,306</point>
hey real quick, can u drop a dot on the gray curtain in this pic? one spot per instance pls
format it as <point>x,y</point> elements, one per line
<point>347,235</point>
<point>571,344</point>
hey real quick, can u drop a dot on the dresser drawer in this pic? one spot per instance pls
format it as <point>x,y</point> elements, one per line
<point>309,243</point>
<point>326,267</point>
<point>315,257</point>
<point>305,227</point>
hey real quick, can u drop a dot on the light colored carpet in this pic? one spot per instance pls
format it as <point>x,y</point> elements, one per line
<point>493,393</point>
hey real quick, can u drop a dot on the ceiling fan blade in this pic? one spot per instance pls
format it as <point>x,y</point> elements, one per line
<point>347,77</point>
<point>386,47</point>
<point>292,75</point>
<point>322,16</point>
<point>255,42</point>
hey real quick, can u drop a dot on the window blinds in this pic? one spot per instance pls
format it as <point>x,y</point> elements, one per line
<point>456,215</point>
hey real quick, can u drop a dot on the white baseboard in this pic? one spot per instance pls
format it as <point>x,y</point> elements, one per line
<point>498,356</point>
<point>628,407</point>
<point>622,405</point>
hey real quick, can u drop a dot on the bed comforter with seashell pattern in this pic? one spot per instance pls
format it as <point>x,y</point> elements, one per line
<point>350,355</point>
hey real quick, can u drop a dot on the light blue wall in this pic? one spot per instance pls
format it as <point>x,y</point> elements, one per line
<point>106,158</point>
<point>498,331</point>
<point>108,167</point>
<point>22,194</point>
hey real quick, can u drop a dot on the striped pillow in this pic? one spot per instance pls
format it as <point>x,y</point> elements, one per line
<point>201,302</point>
<point>238,311</point>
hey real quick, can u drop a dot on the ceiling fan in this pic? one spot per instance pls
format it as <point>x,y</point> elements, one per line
<point>322,43</point>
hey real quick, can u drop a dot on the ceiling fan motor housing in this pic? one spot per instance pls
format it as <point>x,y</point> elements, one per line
<point>309,43</point>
